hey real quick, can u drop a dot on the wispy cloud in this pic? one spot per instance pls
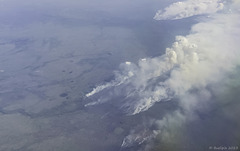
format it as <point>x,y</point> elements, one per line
<point>189,8</point>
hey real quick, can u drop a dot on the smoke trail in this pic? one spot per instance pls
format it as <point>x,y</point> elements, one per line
<point>189,8</point>
<point>193,62</point>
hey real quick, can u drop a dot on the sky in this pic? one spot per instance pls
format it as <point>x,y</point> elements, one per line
<point>119,75</point>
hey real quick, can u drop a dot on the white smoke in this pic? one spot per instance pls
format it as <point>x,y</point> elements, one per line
<point>193,62</point>
<point>138,138</point>
<point>189,8</point>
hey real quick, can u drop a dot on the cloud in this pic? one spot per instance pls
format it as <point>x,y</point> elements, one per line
<point>187,69</point>
<point>193,62</point>
<point>189,8</point>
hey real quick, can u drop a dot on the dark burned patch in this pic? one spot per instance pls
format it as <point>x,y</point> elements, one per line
<point>63,95</point>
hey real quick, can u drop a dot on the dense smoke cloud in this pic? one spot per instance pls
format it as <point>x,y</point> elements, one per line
<point>189,8</point>
<point>186,71</point>
<point>193,62</point>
